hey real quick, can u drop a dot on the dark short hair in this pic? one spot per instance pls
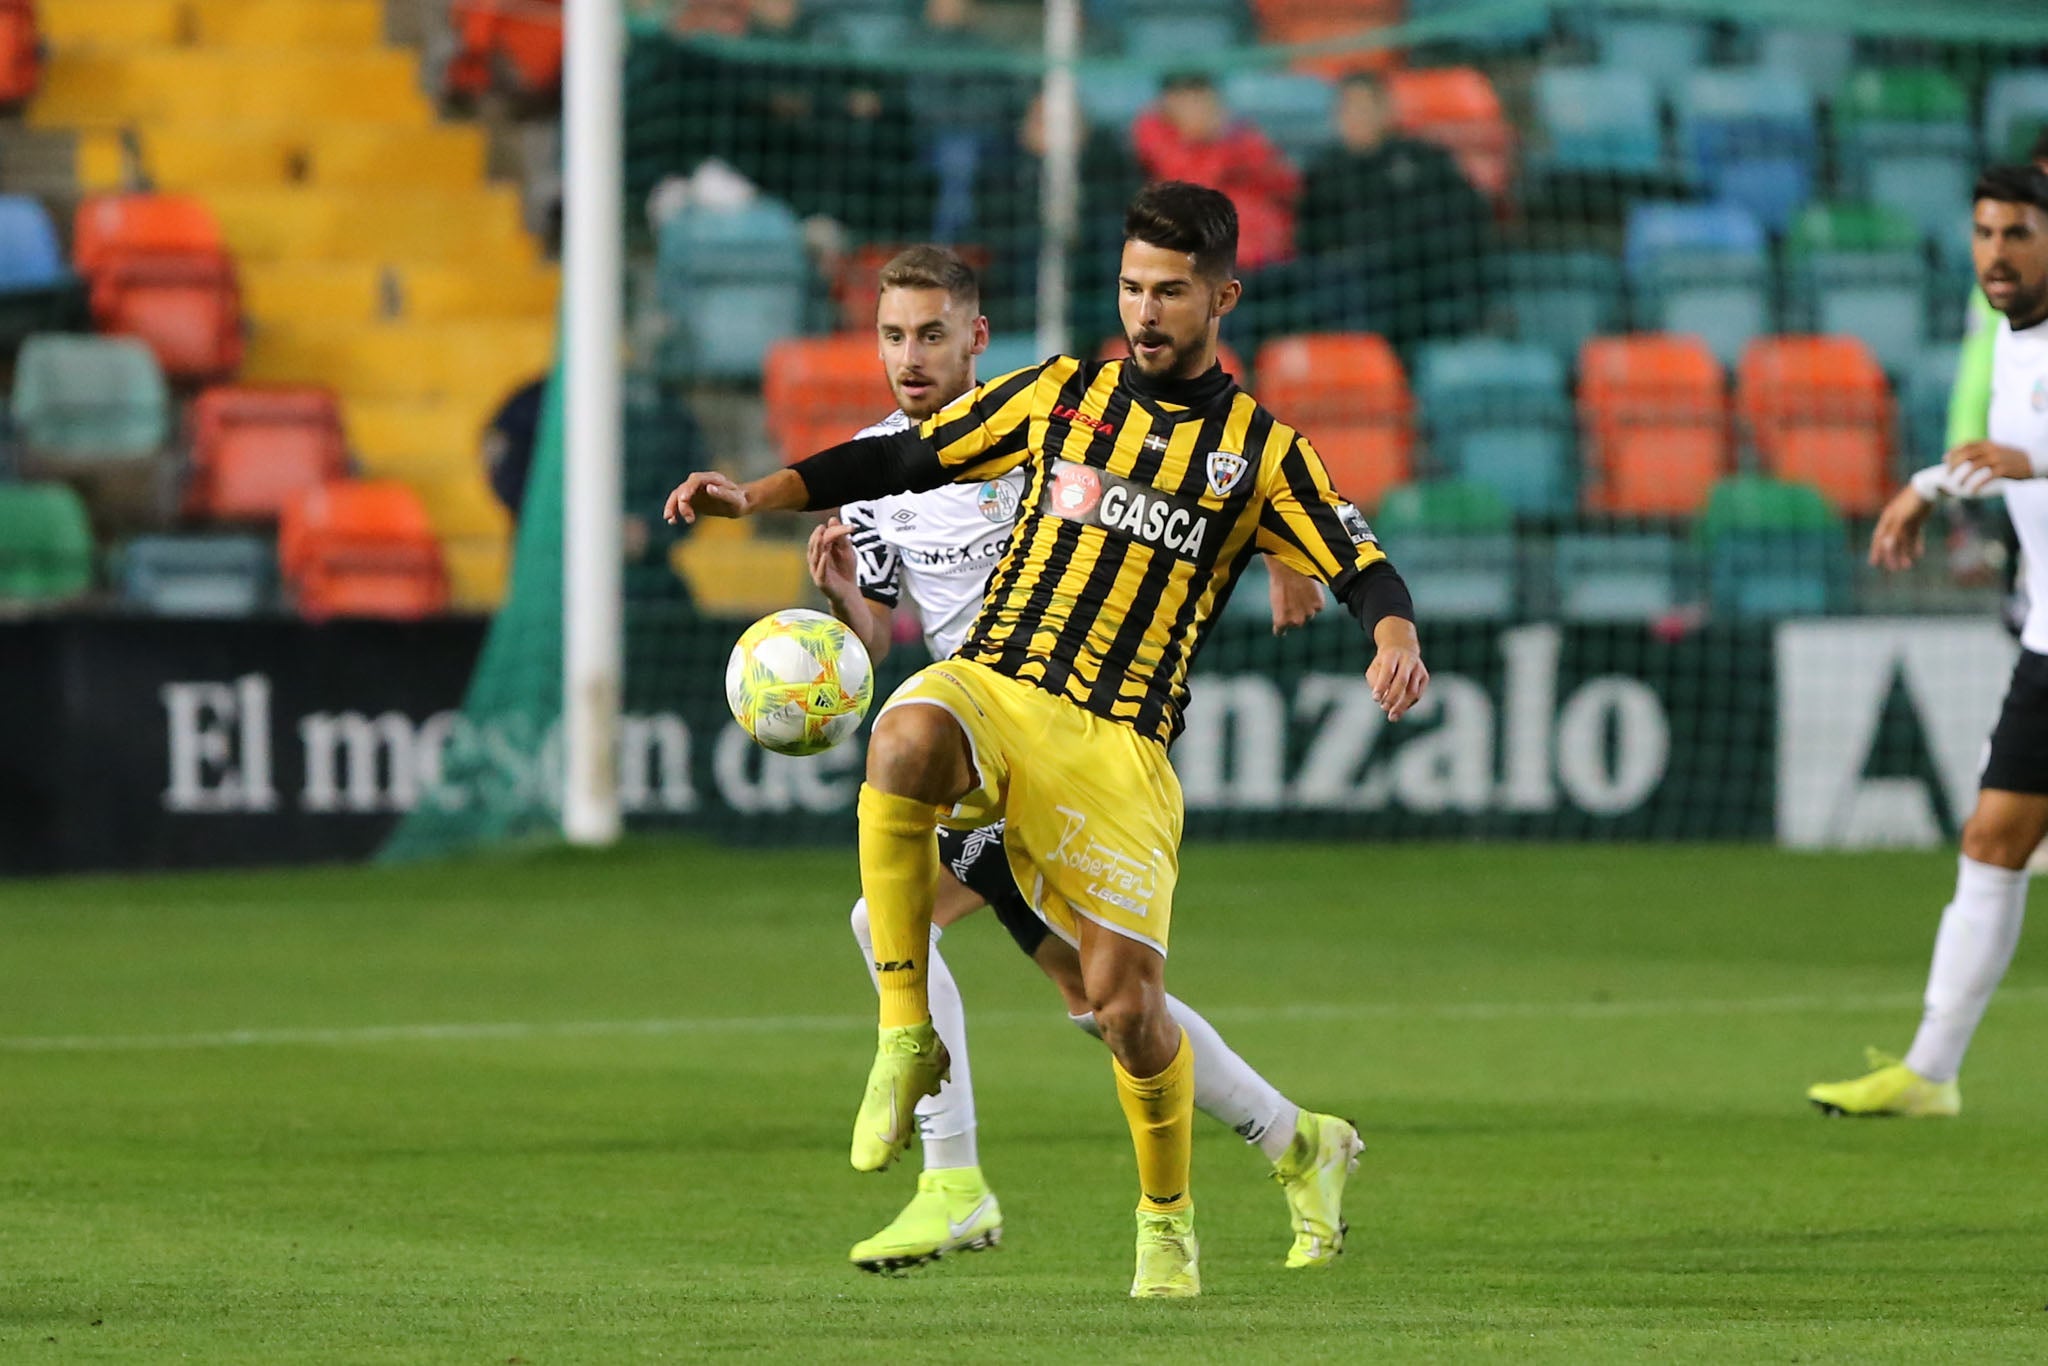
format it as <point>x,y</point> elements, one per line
<point>2013,185</point>
<point>1186,80</point>
<point>2039,151</point>
<point>1180,216</point>
<point>929,267</point>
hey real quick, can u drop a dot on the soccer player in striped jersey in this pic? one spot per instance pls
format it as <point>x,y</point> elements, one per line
<point>1149,485</point>
<point>1980,926</point>
<point>939,547</point>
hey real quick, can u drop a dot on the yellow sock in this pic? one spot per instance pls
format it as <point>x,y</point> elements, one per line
<point>899,876</point>
<point>1161,1111</point>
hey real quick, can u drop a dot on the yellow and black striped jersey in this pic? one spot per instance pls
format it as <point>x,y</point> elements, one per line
<point>1137,517</point>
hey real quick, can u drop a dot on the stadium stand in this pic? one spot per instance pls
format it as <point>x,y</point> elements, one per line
<point>1653,414</point>
<point>157,270</point>
<point>46,544</point>
<point>253,449</point>
<point>1498,414</point>
<point>217,575</point>
<point>21,58</point>
<point>1458,108</point>
<point>1700,269</point>
<point>509,45</point>
<point>819,391</point>
<point>361,548</point>
<point>38,292</point>
<point>1350,393</point>
<point>1772,549</point>
<point>1858,270</point>
<point>1818,412</point>
<point>1459,538</point>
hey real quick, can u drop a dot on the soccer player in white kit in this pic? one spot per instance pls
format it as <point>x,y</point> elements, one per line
<point>941,546</point>
<point>1980,927</point>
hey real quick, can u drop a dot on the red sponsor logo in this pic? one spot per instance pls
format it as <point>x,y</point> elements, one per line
<point>1081,419</point>
<point>1076,490</point>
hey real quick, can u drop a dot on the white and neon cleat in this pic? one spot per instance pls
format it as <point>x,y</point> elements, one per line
<point>1890,1088</point>
<point>953,1211</point>
<point>910,1064</point>
<point>1312,1172</point>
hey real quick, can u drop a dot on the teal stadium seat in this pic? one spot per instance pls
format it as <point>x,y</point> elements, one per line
<point>46,546</point>
<point>1617,578</point>
<point>91,399</point>
<point>1561,299</point>
<point>1822,57</point>
<point>1904,139</point>
<point>1773,550</point>
<point>1600,119</point>
<point>1293,109</point>
<point>1454,541</point>
<point>1700,270</point>
<point>731,282</point>
<point>199,576</point>
<point>1497,413</point>
<point>1663,48</point>
<point>2015,112</point>
<point>1858,271</point>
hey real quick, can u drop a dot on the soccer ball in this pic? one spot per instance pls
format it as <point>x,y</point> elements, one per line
<point>799,682</point>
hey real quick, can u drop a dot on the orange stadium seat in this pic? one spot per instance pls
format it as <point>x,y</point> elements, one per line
<point>21,53</point>
<point>1818,413</point>
<point>522,39</point>
<point>157,270</point>
<point>1457,108</point>
<point>361,548</point>
<point>1654,412</point>
<point>1291,22</point>
<point>1347,393</point>
<point>253,449</point>
<point>819,391</point>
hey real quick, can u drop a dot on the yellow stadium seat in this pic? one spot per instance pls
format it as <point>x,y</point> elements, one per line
<point>475,534</point>
<point>445,291</point>
<point>449,155</point>
<point>331,25</point>
<point>100,162</point>
<point>405,361</point>
<point>312,293</point>
<point>416,438</point>
<point>202,157</point>
<point>747,577</point>
<point>96,90</point>
<point>95,25</point>
<point>480,226</point>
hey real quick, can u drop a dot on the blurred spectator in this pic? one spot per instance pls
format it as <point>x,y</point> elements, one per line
<point>1189,135</point>
<point>1398,235</point>
<point>1007,221</point>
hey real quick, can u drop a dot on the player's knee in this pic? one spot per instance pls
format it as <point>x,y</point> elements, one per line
<point>918,752</point>
<point>1998,843</point>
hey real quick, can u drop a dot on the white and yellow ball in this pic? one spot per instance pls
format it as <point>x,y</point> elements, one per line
<point>799,681</point>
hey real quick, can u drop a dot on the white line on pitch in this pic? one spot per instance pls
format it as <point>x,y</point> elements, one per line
<point>514,1031</point>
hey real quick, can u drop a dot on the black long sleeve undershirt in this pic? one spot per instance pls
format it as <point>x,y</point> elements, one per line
<point>870,467</point>
<point>1375,593</point>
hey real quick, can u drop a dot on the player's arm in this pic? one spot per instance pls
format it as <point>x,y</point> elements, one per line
<point>858,574</point>
<point>978,436</point>
<point>1310,529</point>
<point>1972,470</point>
<point>1296,598</point>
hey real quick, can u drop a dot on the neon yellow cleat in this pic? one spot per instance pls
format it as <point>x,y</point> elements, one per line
<point>953,1211</point>
<point>1169,1258</point>
<point>1313,1171</point>
<point>910,1064</point>
<point>1891,1088</point>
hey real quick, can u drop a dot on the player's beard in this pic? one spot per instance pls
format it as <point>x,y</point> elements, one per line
<point>1168,362</point>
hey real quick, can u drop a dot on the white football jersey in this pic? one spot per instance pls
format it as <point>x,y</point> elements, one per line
<point>939,546</point>
<point>2019,418</point>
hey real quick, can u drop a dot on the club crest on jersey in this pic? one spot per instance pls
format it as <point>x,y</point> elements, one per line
<point>1075,490</point>
<point>997,500</point>
<point>1226,471</point>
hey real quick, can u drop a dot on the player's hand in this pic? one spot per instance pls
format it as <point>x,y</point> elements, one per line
<point>830,555</point>
<point>1900,534</point>
<point>1296,597</point>
<point>707,493</point>
<point>1397,676</point>
<point>1980,462</point>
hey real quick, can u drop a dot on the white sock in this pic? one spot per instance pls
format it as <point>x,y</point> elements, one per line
<point>945,1122</point>
<point>1226,1087</point>
<point>1979,931</point>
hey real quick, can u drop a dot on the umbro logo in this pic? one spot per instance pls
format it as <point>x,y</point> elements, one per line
<point>1165,1199</point>
<point>897,965</point>
<point>903,516</point>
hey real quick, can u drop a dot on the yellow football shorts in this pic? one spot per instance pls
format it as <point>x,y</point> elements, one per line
<point>1093,808</point>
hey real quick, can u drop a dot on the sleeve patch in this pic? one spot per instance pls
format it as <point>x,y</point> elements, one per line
<point>1355,526</point>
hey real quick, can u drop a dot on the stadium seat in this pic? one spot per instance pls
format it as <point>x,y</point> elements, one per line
<point>1923,418</point>
<point>157,270</point>
<point>193,85</point>
<point>198,576</point>
<point>509,45</point>
<point>353,25</point>
<point>253,449</point>
<point>1616,577</point>
<point>819,391</point>
<point>361,549</point>
<point>476,227</point>
<point>475,532</point>
<point>21,54</point>
<point>1502,31</point>
<point>1700,269</point>
<point>1772,549</point>
<point>1821,57</point>
<point>38,293</point>
<point>868,28</point>
<point>1817,411</point>
<point>1009,353</point>
<point>1455,543</point>
<point>1113,97</point>
<point>89,398</point>
<point>1664,49</point>
<point>732,284</point>
<point>1750,137</point>
<point>1300,22</point>
<point>2015,112</point>
<point>1562,299</point>
<point>1292,108</point>
<point>1599,119</point>
<point>1347,391</point>
<point>1857,270</point>
<point>1931,188</point>
<point>1497,414</point>
<point>1458,108</point>
<point>46,547</point>
<point>1905,139</point>
<point>1654,414</point>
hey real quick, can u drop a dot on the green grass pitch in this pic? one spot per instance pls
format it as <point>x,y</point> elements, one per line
<point>558,1108</point>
